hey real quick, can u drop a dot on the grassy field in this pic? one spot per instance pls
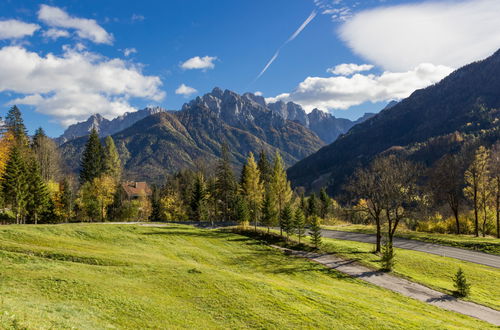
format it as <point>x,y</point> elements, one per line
<point>484,244</point>
<point>128,276</point>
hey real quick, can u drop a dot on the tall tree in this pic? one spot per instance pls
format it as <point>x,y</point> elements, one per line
<point>92,162</point>
<point>155,205</point>
<point>287,223</point>
<point>315,231</point>
<point>265,168</point>
<point>476,180</point>
<point>226,185</point>
<point>66,198</point>
<point>268,211</point>
<point>15,186</point>
<point>252,188</point>
<point>242,211</point>
<point>312,205</point>
<point>495,175</point>
<point>325,202</point>
<point>38,198</point>
<point>447,182</point>
<point>112,165</point>
<point>47,155</point>
<point>6,142</point>
<point>280,186</point>
<point>15,124</point>
<point>198,198</point>
<point>300,223</point>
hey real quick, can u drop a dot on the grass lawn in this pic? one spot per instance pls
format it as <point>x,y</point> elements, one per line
<point>99,276</point>
<point>484,244</point>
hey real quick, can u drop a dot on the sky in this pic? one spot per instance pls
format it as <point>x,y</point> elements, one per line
<point>61,61</point>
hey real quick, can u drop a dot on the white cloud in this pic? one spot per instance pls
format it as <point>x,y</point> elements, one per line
<point>186,91</point>
<point>451,33</point>
<point>129,51</point>
<point>76,84</point>
<point>344,92</point>
<point>348,69</point>
<point>14,29</point>
<point>55,33</point>
<point>258,93</point>
<point>137,18</point>
<point>203,63</point>
<point>85,28</point>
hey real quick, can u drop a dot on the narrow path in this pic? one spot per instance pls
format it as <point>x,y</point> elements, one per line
<point>402,286</point>
<point>408,244</point>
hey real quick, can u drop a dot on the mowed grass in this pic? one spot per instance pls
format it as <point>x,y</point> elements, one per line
<point>99,276</point>
<point>484,244</point>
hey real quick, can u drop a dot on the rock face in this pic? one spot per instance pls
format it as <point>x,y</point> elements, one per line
<point>104,126</point>
<point>462,109</point>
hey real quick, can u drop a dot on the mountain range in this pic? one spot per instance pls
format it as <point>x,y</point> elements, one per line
<point>461,109</point>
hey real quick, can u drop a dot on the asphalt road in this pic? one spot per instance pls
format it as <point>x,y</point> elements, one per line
<point>408,244</point>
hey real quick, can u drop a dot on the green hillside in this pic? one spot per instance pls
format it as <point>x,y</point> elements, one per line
<point>107,276</point>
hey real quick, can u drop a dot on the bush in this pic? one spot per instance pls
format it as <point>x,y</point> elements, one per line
<point>387,257</point>
<point>460,284</point>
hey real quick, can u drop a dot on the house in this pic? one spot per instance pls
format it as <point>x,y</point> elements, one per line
<point>135,190</point>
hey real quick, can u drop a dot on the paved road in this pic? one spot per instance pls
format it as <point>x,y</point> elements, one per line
<point>408,244</point>
<point>402,286</point>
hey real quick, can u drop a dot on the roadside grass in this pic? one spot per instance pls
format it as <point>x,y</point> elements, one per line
<point>428,269</point>
<point>128,276</point>
<point>485,244</point>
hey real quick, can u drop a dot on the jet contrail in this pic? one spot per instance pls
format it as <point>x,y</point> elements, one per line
<point>292,37</point>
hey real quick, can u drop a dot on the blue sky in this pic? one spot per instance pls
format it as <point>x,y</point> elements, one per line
<point>60,61</point>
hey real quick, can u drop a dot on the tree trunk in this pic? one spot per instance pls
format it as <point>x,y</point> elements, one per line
<point>457,221</point>
<point>379,235</point>
<point>476,215</point>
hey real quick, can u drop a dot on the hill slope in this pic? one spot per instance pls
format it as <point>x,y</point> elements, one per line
<point>100,276</point>
<point>429,123</point>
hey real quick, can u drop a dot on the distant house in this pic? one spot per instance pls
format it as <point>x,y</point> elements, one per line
<point>135,190</point>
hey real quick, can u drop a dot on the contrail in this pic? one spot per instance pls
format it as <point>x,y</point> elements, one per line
<point>292,37</point>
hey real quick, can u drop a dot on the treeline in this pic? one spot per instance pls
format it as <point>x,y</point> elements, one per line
<point>460,194</point>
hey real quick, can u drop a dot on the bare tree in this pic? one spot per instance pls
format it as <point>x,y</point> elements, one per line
<point>495,176</point>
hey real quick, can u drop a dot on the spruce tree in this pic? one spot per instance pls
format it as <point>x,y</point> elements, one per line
<point>312,207</point>
<point>66,198</point>
<point>265,168</point>
<point>198,196</point>
<point>315,232</point>
<point>325,201</point>
<point>92,162</point>
<point>226,185</point>
<point>242,212</point>
<point>269,216</point>
<point>15,186</point>
<point>111,163</point>
<point>155,205</point>
<point>460,283</point>
<point>300,224</point>
<point>252,188</point>
<point>280,186</point>
<point>287,223</point>
<point>15,124</point>
<point>38,198</point>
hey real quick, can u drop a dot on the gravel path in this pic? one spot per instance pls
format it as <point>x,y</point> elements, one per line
<point>408,244</point>
<point>402,286</point>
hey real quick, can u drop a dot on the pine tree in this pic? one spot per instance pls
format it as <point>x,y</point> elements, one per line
<point>38,198</point>
<point>280,186</point>
<point>315,232</point>
<point>226,185</point>
<point>287,221</point>
<point>111,163</point>
<point>66,198</point>
<point>155,205</point>
<point>312,206</point>
<point>387,256</point>
<point>265,169</point>
<point>303,204</point>
<point>92,162</point>
<point>325,201</point>
<point>15,124</point>
<point>242,212</point>
<point>15,182</point>
<point>252,188</point>
<point>460,283</point>
<point>269,216</point>
<point>198,197</point>
<point>299,224</point>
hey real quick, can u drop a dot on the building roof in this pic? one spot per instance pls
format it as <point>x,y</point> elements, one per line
<point>133,188</point>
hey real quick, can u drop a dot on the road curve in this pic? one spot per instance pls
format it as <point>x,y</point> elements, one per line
<point>408,244</point>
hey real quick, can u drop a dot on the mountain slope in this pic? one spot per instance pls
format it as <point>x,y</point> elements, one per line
<point>466,102</point>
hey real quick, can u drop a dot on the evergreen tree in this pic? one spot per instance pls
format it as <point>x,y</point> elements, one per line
<point>387,256</point>
<point>155,205</point>
<point>92,162</point>
<point>198,197</point>
<point>280,186</point>
<point>460,283</point>
<point>287,223</point>
<point>66,199</point>
<point>15,124</point>
<point>325,201</point>
<point>265,169</point>
<point>299,224</point>
<point>303,204</point>
<point>226,185</point>
<point>315,231</point>
<point>252,188</point>
<point>312,206</point>
<point>15,183</point>
<point>111,163</point>
<point>269,216</point>
<point>242,212</point>
<point>38,198</point>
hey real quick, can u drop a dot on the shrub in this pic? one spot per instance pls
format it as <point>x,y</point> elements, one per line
<point>460,284</point>
<point>387,256</point>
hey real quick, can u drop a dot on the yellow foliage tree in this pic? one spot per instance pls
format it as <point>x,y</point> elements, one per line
<point>6,141</point>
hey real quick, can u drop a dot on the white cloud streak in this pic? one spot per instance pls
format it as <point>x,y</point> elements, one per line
<point>451,33</point>
<point>76,84</point>
<point>186,91</point>
<point>199,63</point>
<point>344,92</point>
<point>55,33</point>
<point>14,29</point>
<point>129,51</point>
<point>85,28</point>
<point>348,69</point>
<point>292,37</point>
